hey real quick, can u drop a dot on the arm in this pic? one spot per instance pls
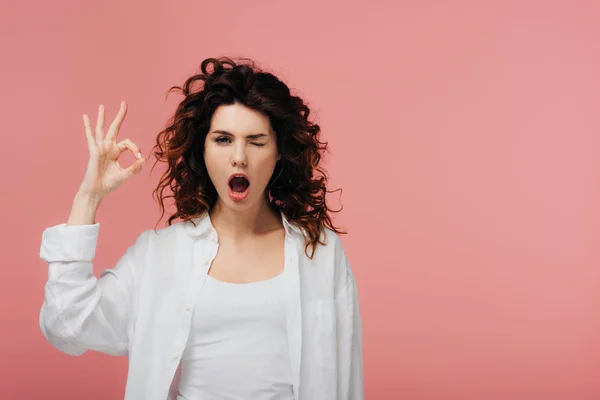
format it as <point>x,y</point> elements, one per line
<point>81,312</point>
<point>349,331</point>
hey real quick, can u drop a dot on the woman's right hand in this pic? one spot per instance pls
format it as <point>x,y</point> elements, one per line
<point>104,174</point>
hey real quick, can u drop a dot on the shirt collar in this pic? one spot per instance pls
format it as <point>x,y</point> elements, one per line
<point>204,226</point>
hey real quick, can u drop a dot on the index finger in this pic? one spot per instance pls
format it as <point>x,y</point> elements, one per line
<point>115,126</point>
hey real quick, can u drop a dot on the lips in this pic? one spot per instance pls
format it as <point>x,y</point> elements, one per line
<point>238,175</point>
<point>239,182</point>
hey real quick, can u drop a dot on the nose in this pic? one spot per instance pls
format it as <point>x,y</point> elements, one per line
<point>239,156</point>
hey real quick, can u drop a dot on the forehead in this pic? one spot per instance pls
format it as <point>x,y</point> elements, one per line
<point>240,120</point>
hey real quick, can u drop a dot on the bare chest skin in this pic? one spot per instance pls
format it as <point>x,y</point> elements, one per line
<point>252,260</point>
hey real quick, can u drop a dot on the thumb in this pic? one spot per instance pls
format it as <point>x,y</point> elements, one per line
<point>134,169</point>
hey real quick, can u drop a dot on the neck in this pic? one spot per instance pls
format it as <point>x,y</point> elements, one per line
<point>238,225</point>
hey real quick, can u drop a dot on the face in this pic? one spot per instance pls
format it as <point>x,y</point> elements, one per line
<point>240,140</point>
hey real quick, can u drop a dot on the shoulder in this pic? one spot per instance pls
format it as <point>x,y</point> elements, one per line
<point>327,251</point>
<point>333,246</point>
<point>345,282</point>
<point>333,266</point>
<point>152,239</point>
<point>330,258</point>
<point>329,241</point>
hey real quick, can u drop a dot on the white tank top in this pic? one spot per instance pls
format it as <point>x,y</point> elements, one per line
<point>238,346</point>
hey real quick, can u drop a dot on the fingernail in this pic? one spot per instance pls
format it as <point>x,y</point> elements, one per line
<point>139,155</point>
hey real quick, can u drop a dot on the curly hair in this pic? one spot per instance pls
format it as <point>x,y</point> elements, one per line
<point>298,184</point>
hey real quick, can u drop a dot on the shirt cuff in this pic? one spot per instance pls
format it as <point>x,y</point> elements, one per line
<point>69,242</point>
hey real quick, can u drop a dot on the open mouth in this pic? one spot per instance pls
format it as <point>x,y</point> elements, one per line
<point>239,184</point>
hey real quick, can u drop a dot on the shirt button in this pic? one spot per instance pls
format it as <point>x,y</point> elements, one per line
<point>188,307</point>
<point>175,355</point>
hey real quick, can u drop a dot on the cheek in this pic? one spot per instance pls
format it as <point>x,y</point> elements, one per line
<point>215,155</point>
<point>265,167</point>
<point>212,164</point>
<point>208,160</point>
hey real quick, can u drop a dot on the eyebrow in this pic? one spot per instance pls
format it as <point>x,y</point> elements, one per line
<point>253,136</point>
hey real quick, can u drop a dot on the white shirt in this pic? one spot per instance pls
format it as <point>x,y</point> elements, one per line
<point>143,306</point>
<point>238,343</point>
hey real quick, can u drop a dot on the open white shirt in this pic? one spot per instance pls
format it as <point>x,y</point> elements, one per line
<point>143,307</point>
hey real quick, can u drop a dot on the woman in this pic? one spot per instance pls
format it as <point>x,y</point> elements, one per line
<point>251,296</point>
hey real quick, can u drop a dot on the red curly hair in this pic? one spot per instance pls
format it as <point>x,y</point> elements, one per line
<point>294,188</point>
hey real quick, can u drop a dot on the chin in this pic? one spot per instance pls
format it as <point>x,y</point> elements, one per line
<point>250,201</point>
<point>239,205</point>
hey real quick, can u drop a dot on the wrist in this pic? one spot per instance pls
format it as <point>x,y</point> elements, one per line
<point>88,199</point>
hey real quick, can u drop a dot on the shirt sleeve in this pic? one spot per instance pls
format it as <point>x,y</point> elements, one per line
<point>349,333</point>
<point>81,312</point>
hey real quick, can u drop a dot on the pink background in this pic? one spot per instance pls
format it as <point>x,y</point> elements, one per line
<point>465,137</point>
